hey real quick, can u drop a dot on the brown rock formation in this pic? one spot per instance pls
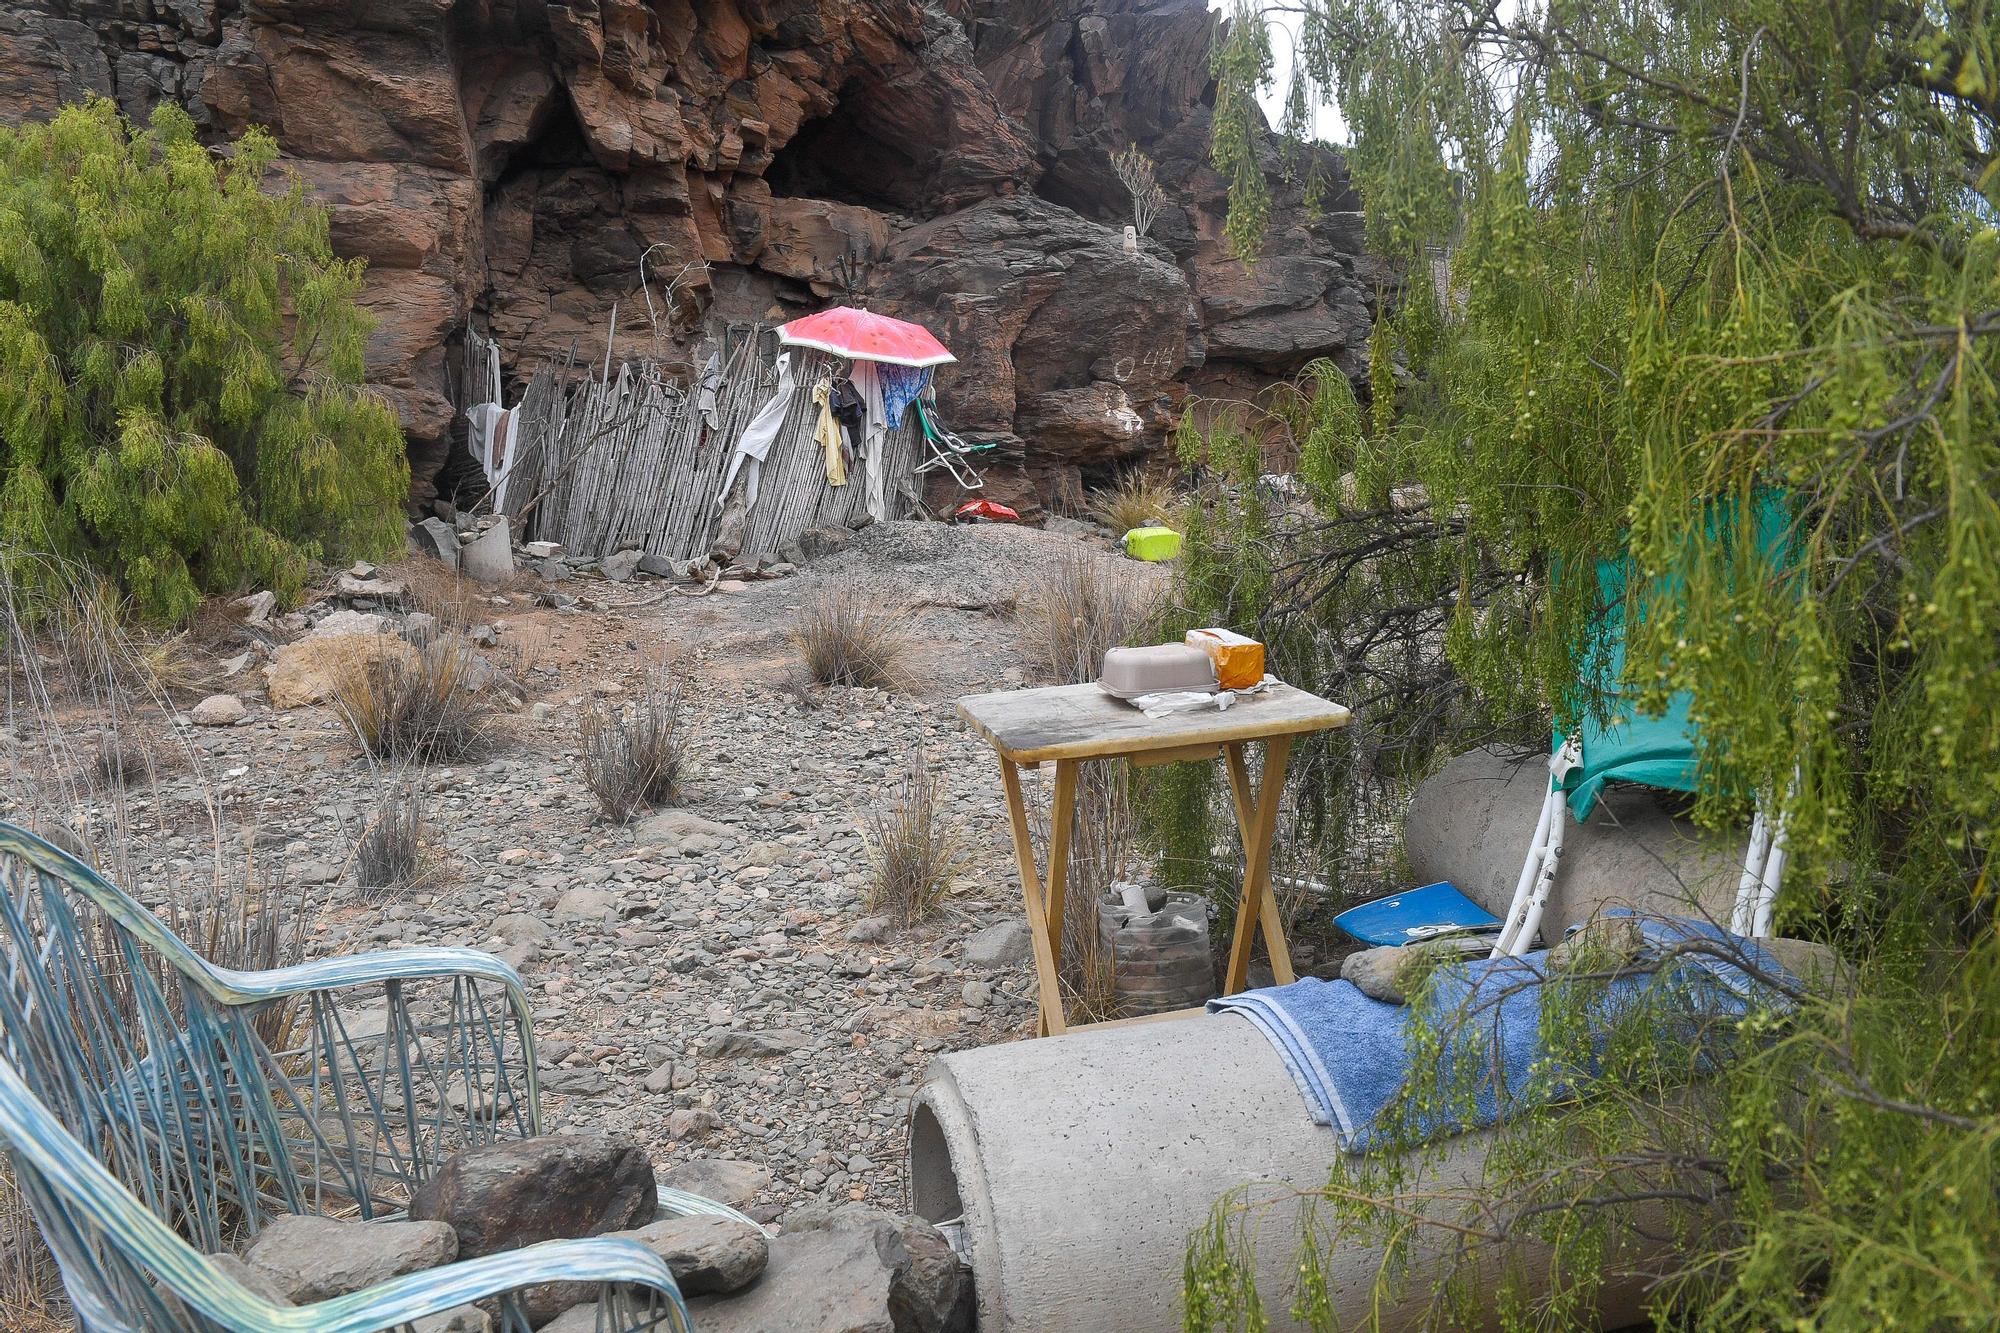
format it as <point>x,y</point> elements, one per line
<point>515,160</point>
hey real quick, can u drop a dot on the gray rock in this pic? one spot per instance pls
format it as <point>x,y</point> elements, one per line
<point>484,636</point>
<point>587,902</point>
<point>345,621</point>
<point>719,1178</point>
<point>506,1195</point>
<point>660,1080</point>
<point>257,607</point>
<point>434,537</point>
<point>420,627</point>
<point>681,832</point>
<point>619,566</point>
<point>754,1045</point>
<point>850,1269</point>
<point>218,710</point>
<point>869,929</point>
<point>373,589</point>
<point>317,1258</point>
<point>708,1254</point>
<point>251,1278</point>
<point>576,1319</point>
<point>458,1319</point>
<point>659,566</point>
<point>817,543</point>
<point>1002,944</point>
<point>930,1290</point>
<point>1393,972</point>
<point>554,570</point>
<point>489,557</point>
<point>976,994</point>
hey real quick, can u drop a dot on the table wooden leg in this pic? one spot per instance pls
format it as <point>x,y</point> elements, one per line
<point>1048,982</point>
<point>1062,818</point>
<point>1257,906</point>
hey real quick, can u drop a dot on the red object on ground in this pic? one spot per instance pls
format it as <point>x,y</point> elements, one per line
<point>861,335</point>
<point>989,510</point>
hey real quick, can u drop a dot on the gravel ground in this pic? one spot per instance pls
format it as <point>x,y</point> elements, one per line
<point>708,982</point>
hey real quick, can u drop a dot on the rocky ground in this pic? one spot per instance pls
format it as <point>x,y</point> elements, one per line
<point>706,979</point>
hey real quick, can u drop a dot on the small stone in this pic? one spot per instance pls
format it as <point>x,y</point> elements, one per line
<point>420,627</point>
<point>587,902</point>
<point>659,566</point>
<point>619,566</point>
<point>218,710</point>
<point>754,1045</point>
<point>869,929</point>
<point>347,621</point>
<point>719,1178</point>
<point>434,537</point>
<point>660,1080</point>
<point>373,589</point>
<point>237,665</point>
<point>543,550</point>
<point>692,1122</point>
<point>484,636</point>
<point>257,607</point>
<point>707,1254</point>
<point>1002,944</point>
<point>976,994</point>
<point>317,1258</point>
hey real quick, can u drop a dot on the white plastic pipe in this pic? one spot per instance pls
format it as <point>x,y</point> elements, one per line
<point>1743,915</point>
<point>1531,869</point>
<point>1545,880</point>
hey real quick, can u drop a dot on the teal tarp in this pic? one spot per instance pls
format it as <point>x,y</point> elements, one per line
<point>1627,746</point>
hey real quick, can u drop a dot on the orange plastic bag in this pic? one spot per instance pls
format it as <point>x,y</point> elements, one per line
<point>1239,659</point>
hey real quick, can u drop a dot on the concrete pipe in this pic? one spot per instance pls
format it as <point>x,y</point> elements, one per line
<point>1083,1164</point>
<point>1471,822</point>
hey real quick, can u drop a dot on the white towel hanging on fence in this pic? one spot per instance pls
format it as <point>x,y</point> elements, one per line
<point>867,378</point>
<point>758,437</point>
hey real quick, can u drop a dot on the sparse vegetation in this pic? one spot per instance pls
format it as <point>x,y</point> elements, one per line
<point>913,847</point>
<point>845,639</point>
<point>1081,607</point>
<point>421,707</point>
<point>1137,501</point>
<point>635,757</point>
<point>393,852</point>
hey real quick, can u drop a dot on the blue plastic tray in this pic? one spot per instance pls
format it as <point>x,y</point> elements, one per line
<point>1419,914</point>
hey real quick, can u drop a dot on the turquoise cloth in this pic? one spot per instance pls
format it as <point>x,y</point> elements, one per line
<point>1627,745</point>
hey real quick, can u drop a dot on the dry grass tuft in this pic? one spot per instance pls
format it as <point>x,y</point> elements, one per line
<point>634,758</point>
<point>423,709</point>
<point>1081,607</point>
<point>393,853</point>
<point>912,846</point>
<point>844,639</point>
<point>437,589</point>
<point>1135,502</point>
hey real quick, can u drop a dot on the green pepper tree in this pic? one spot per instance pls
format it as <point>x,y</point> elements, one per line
<point>1657,255</point>
<point>181,395</point>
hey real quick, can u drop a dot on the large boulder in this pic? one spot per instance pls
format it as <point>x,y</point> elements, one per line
<point>559,1186</point>
<point>308,671</point>
<point>708,1255</point>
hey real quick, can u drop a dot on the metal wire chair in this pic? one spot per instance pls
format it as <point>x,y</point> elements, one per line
<point>215,1099</point>
<point>126,1271</point>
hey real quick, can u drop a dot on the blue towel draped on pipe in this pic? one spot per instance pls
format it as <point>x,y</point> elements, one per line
<point>1349,1054</point>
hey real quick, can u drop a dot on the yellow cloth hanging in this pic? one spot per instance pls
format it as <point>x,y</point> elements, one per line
<point>827,434</point>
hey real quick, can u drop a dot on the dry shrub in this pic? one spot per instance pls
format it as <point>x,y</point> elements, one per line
<point>433,587</point>
<point>913,847</point>
<point>393,852</point>
<point>845,639</point>
<point>635,757</point>
<point>1082,606</point>
<point>427,707</point>
<point>1135,502</point>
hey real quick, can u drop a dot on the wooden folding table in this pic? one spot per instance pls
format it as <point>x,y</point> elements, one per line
<point>1068,724</point>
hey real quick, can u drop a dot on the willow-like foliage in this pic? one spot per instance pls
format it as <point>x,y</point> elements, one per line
<point>181,398</point>
<point>1691,253</point>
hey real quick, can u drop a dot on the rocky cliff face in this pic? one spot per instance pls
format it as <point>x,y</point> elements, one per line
<point>516,161</point>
